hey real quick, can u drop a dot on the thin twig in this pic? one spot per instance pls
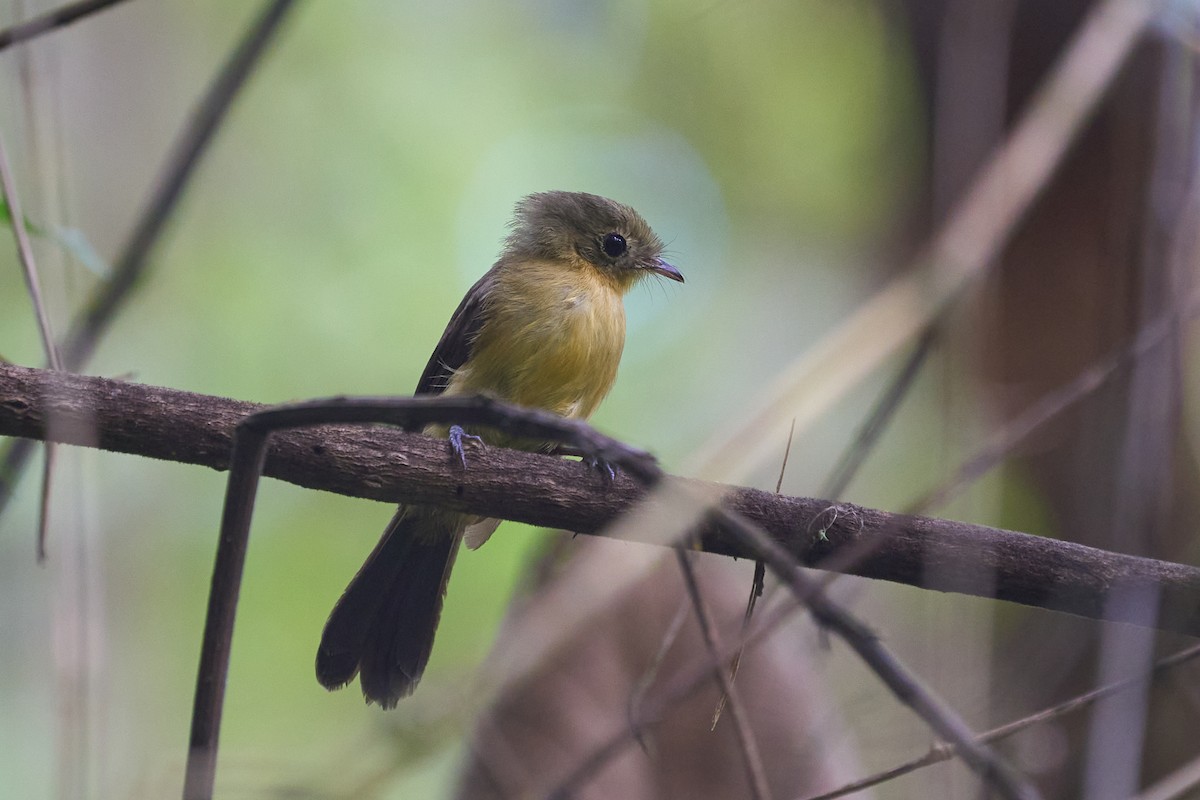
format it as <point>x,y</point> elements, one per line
<point>30,270</point>
<point>98,313</point>
<point>735,663</point>
<point>756,589</point>
<point>787,451</point>
<point>881,415</point>
<point>648,676</point>
<point>864,441</point>
<point>756,776</point>
<point>52,20</point>
<point>678,690</point>
<point>1050,406</point>
<point>943,752</point>
<point>25,254</point>
<point>941,718</point>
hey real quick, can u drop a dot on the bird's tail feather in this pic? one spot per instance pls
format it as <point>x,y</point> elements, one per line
<point>383,626</point>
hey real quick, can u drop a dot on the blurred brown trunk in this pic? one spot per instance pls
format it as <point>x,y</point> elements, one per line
<point>536,734</point>
<point>1091,265</point>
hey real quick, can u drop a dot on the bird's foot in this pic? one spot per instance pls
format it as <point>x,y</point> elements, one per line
<point>457,435</point>
<point>603,467</point>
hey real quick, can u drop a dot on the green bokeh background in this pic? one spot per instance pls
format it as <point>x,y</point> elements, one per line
<point>361,185</point>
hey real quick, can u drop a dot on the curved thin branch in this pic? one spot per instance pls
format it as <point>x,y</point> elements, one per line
<point>250,454</point>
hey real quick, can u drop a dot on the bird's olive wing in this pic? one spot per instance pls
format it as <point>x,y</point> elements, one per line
<point>454,348</point>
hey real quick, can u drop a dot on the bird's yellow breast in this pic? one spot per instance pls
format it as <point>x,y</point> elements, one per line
<point>552,338</point>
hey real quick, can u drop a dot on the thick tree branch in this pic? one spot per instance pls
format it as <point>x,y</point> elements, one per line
<point>388,465</point>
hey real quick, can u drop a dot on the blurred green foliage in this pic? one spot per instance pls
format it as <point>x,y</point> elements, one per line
<point>361,185</point>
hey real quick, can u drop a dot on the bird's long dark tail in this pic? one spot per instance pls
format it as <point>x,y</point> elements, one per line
<point>383,626</point>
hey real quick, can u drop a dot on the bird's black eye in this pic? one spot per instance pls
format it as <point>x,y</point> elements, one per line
<point>614,245</point>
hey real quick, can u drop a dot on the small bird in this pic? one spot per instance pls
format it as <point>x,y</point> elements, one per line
<point>543,328</point>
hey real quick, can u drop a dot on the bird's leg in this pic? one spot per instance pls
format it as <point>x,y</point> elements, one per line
<point>595,462</point>
<point>457,434</point>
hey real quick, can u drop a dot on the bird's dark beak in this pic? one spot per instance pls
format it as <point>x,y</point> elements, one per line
<point>660,267</point>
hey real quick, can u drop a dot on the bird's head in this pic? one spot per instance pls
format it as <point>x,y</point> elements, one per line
<point>573,226</point>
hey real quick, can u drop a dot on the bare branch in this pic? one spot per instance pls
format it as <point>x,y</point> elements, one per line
<point>52,20</point>
<point>1005,440</point>
<point>755,774</point>
<point>25,255</point>
<point>943,752</point>
<point>391,466</point>
<point>29,267</point>
<point>882,414</point>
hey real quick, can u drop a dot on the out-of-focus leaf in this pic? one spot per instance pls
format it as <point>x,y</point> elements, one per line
<point>6,215</point>
<point>76,243</point>
<point>72,240</point>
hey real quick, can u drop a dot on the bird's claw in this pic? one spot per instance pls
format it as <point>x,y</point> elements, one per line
<point>457,435</point>
<point>602,466</point>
